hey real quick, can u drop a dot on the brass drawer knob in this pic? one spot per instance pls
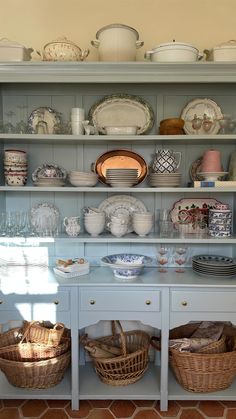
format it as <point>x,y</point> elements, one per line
<point>184,303</point>
<point>56,302</point>
<point>148,302</point>
<point>1,301</point>
<point>92,302</point>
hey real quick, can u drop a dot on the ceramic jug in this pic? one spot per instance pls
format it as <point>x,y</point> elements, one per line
<point>165,161</point>
<point>72,226</point>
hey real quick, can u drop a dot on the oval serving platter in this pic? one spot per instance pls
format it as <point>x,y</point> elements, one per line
<point>122,110</point>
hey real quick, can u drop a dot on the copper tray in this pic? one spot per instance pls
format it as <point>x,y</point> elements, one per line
<point>117,159</point>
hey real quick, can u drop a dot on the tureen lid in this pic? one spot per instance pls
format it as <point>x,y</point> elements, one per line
<point>5,42</point>
<point>62,40</point>
<point>174,44</point>
<point>228,44</point>
<point>117,25</point>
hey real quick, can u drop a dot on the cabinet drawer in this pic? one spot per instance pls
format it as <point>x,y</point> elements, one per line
<point>98,300</point>
<point>60,301</point>
<point>203,301</point>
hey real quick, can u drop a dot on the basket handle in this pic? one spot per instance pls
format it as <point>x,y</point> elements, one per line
<point>155,342</point>
<point>26,332</point>
<point>59,326</point>
<point>116,324</point>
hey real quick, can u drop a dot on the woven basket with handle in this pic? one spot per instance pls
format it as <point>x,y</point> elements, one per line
<point>43,332</point>
<point>131,364</point>
<point>15,350</point>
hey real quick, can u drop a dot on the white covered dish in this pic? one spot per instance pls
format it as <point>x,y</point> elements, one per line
<point>222,52</point>
<point>173,51</point>
<point>12,51</point>
<point>62,49</point>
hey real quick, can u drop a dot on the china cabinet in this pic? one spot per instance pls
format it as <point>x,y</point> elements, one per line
<point>157,300</point>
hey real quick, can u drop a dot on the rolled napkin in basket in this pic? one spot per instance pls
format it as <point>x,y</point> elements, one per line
<point>97,349</point>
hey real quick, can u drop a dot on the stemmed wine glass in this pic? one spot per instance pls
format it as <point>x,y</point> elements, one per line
<point>180,258</point>
<point>163,254</point>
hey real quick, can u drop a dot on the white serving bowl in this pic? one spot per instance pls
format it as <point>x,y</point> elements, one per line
<point>126,266</point>
<point>122,130</point>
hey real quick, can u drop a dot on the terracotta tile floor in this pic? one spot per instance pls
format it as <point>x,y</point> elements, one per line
<point>113,409</point>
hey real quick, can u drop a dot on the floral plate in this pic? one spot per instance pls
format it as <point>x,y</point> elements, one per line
<point>184,213</point>
<point>43,120</point>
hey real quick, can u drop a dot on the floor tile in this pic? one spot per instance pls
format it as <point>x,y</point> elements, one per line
<point>10,413</point>
<point>12,403</point>
<point>122,408</point>
<point>191,414</point>
<point>187,403</point>
<point>144,403</point>
<point>58,403</point>
<point>173,409</point>
<point>54,414</point>
<point>213,409</point>
<point>84,409</point>
<point>100,403</point>
<point>100,414</point>
<point>231,414</point>
<point>33,408</point>
<point>147,414</point>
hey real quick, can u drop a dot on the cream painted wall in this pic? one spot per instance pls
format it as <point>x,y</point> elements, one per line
<point>204,23</point>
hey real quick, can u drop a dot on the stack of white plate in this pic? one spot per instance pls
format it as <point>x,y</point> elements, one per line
<point>162,180</point>
<point>214,265</point>
<point>47,182</point>
<point>122,177</point>
<point>83,178</point>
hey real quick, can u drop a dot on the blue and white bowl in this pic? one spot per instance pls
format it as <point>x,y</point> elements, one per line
<point>126,266</point>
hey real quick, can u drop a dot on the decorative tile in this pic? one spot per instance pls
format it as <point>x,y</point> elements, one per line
<point>231,414</point>
<point>188,403</point>
<point>12,403</point>
<point>54,414</point>
<point>59,404</point>
<point>191,413</point>
<point>84,409</point>
<point>9,413</point>
<point>147,414</point>
<point>100,403</point>
<point>100,414</point>
<point>122,408</point>
<point>213,409</point>
<point>143,403</point>
<point>173,409</point>
<point>33,408</point>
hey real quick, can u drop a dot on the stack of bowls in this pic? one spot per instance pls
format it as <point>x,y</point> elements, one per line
<point>94,221</point>
<point>142,223</point>
<point>49,175</point>
<point>162,180</point>
<point>122,177</point>
<point>83,178</point>
<point>15,167</point>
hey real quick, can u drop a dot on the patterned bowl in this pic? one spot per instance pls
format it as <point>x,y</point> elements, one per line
<point>126,266</point>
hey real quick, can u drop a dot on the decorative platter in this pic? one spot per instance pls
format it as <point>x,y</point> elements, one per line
<point>121,205</point>
<point>122,110</point>
<point>184,213</point>
<point>43,120</point>
<point>45,217</point>
<point>49,171</point>
<point>200,113</point>
<point>120,159</point>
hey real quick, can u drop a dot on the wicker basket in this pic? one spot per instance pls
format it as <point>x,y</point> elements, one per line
<point>129,367</point>
<point>210,369</point>
<point>38,374</point>
<point>43,332</point>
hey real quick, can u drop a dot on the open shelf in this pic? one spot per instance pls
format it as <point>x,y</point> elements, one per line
<point>91,387</point>
<point>60,391</point>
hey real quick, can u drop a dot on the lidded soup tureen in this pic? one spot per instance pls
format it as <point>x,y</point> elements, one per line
<point>62,49</point>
